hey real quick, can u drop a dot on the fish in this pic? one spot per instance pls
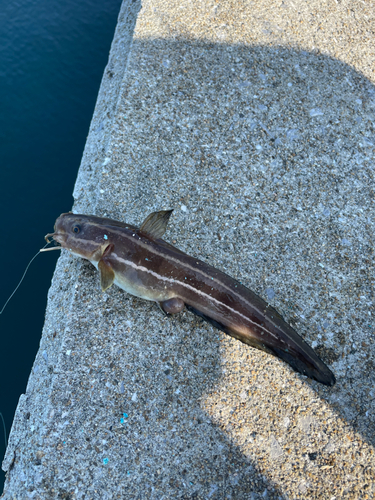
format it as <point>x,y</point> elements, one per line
<point>139,261</point>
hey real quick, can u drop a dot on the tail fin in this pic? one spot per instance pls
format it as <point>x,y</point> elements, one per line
<point>304,361</point>
<point>308,367</point>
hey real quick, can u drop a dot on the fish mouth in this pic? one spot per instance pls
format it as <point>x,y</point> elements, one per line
<point>59,237</point>
<point>56,237</point>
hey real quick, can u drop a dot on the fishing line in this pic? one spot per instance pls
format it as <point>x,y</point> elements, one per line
<point>27,267</point>
<point>5,431</point>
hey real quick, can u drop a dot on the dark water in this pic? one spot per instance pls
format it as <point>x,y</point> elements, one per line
<point>52,57</point>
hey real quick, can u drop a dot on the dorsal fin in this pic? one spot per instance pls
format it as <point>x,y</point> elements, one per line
<point>156,223</point>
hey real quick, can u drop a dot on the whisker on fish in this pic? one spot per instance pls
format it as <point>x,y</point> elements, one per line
<point>49,249</point>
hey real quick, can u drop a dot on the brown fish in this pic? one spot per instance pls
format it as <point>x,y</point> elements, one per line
<point>141,263</point>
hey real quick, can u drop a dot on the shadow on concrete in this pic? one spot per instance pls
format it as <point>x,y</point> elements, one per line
<point>289,134</point>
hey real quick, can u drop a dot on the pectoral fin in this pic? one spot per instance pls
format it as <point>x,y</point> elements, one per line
<point>107,275</point>
<point>156,223</point>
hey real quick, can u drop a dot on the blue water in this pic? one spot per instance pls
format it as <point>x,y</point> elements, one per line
<point>52,57</point>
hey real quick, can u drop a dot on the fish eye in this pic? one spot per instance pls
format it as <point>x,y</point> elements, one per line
<point>76,228</point>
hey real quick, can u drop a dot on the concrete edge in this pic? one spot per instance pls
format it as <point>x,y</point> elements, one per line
<point>85,196</point>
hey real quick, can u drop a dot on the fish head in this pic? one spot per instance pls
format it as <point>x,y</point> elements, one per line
<point>80,235</point>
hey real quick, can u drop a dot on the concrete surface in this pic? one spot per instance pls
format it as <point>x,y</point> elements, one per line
<point>255,122</point>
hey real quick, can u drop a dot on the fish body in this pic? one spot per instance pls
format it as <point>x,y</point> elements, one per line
<point>140,262</point>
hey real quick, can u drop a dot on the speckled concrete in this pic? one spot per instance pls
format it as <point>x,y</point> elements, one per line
<point>255,122</point>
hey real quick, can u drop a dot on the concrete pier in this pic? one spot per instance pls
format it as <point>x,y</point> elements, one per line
<point>254,121</point>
